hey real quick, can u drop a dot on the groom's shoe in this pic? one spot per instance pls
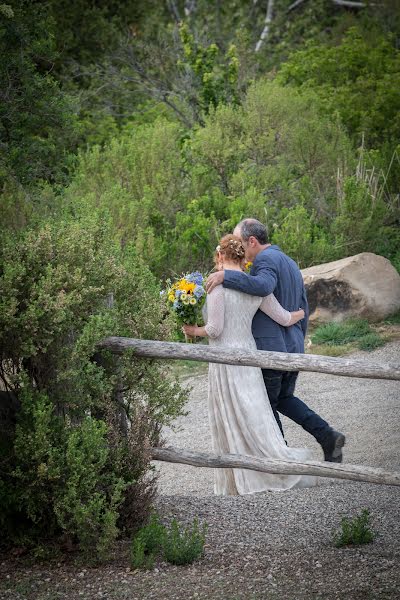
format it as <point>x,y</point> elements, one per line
<point>332,446</point>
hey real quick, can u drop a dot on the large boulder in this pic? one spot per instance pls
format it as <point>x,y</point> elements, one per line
<point>365,285</point>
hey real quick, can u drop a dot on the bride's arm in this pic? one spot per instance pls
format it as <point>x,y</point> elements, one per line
<point>271,307</point>
<point>215,316</point>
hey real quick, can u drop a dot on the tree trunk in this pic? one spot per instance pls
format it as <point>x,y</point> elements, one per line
<point>267,22</point>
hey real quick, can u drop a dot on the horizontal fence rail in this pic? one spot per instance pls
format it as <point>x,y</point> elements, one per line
<point>282,361</point>
<point>281,467</point>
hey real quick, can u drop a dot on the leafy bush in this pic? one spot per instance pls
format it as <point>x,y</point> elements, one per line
<point>173,192</point>
<point>363,220</point>
<point>178,545</point>
<point>139,558</point>
<point>214,79</point>
<point>358,78</point>
<point>354,531</point>
<point>147,543</point>
<point>183,546</point>
<point>355,331</point>
<point>78,462</point>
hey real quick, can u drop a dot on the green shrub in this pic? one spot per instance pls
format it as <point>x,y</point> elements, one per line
<point>183,546</point>
<point>354,531</point>
<point>360,223</point>
<point>147,543</point>
<point>302,238</point>
<point>395,260</point>
<point>152,535</point>
<point>172,193</point>
<point>77,463</point>
<point>139,558</point>
<point>178,545</point>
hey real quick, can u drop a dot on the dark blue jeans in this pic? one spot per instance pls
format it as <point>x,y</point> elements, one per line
<point>280,387</point>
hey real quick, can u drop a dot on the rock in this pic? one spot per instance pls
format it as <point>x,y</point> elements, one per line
<point>365,285</point>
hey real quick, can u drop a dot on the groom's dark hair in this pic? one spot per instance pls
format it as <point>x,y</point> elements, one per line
<point>252,227</point>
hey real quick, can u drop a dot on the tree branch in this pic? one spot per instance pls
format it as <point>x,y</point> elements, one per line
<point>294,5</point>
<point>349,4</point>
<point>267,22</point>
<point>174,10</point>
<point>344,3</point>
<point>190,8</point>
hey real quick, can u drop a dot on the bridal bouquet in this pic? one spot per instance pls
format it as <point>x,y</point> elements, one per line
<point>185,297</point>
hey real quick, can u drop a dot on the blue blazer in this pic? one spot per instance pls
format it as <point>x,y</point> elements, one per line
<point>274,272</point>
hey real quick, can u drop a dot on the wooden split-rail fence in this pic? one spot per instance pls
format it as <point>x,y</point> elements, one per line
<point>344,367</point>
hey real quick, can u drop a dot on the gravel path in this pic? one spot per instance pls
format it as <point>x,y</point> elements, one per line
<point>280,544</point>
<point>264,546</point>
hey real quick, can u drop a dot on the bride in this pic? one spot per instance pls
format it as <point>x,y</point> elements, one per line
<point>241,417</point>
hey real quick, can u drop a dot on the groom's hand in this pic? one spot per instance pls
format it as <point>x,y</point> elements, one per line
<point>213,280</point>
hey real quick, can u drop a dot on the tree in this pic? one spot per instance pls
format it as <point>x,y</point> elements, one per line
<point>37,120</point>
<point>357,79</point>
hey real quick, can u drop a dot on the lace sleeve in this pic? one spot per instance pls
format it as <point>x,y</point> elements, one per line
<point>215,312</point>
<point>271,307</point>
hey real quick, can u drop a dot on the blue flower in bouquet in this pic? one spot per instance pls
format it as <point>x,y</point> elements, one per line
<point>196,278</point>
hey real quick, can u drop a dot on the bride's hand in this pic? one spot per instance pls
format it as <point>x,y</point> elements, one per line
<point>296,316</point>
<point>190,329</point>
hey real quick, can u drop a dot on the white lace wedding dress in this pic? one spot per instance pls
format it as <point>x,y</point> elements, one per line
<point>241,417</point>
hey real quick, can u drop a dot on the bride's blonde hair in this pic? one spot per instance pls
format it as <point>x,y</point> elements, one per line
<point>231,247</point>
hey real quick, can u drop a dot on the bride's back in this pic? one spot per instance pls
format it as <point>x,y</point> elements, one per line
<point>239,310</point>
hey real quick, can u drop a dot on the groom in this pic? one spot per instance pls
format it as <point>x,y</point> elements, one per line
<point>274,272</point>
